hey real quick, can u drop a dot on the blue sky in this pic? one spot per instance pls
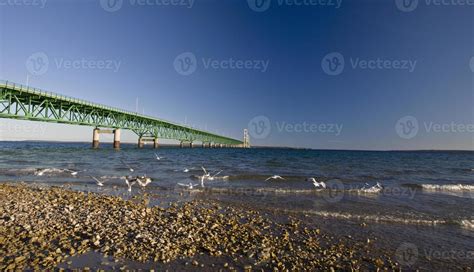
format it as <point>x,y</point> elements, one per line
<point>265,70</point>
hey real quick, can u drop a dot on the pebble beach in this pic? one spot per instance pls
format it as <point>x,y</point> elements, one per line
<point>47,227</point>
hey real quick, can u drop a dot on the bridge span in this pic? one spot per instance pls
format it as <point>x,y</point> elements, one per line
<point>26,103</point>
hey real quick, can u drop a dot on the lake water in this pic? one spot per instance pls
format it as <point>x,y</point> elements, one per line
<point>427,200</point>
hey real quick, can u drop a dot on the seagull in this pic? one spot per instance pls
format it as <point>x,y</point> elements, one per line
<point>189,186</point>
<point>214,176</point>
<point>99,183</point>
<point>274,177</point>
<point>316,183</point>
<point>128,166</point>
<point>374,189</point>
<point>73,173</point>
<point>130,183</point>
<point>205,172</point>
<point>158,157</point>
<point>143,181</point>
<point>40,172</point>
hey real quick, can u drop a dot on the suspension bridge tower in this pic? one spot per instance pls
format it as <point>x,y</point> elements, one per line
<point>246,139</point>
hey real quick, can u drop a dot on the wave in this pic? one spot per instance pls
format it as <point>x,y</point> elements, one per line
<point>467,224</point>
<point>447,187</point>
<point>463,223</point>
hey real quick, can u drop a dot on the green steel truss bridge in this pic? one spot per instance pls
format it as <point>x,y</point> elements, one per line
<point>26,103</point>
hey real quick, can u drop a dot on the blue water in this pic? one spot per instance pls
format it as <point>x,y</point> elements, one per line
<point>434,189</point>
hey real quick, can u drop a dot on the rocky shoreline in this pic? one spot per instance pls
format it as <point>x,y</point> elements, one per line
<point>43,227</point>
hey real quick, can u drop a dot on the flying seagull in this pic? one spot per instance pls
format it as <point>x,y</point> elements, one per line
<point>158,157</point>
<point>317,184</point>
<point>130,183</point>
<point>143,181</point>
<point>274,177</point>
<point>72,172</point>
<point>99,183</point>
<point>189,186</point>
<point>128,166</point>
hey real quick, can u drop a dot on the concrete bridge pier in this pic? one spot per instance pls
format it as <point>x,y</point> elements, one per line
<point>181,144</point>
<point>141,142</point>
<point>95,138</point>
<point>155,143</point>
<point>117,138</point>
<point>191,145</point>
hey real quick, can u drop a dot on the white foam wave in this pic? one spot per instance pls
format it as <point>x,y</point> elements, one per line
<point>467,224</point>
<point>447,187</point>
<point>379,218</point>
<point>464,223</point>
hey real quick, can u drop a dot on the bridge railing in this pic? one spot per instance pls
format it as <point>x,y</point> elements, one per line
<point>38,91</point>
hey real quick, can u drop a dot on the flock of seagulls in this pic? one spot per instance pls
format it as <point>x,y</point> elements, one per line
<point>317,184</point>
<point>143,181</point>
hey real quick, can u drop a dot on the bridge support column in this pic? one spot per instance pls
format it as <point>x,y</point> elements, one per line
<point>117,138</point>
<point>155,143</point>
<point>203,145</point>
<point>95,138</point>
<point>141,143</point>
<point>191,145</point>
<point>181,144</point>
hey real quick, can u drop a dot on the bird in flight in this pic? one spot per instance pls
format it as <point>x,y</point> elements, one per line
<point>317,184</point>
<point>128,166</point>
<point>275,177</point>
<point>99,183</point>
